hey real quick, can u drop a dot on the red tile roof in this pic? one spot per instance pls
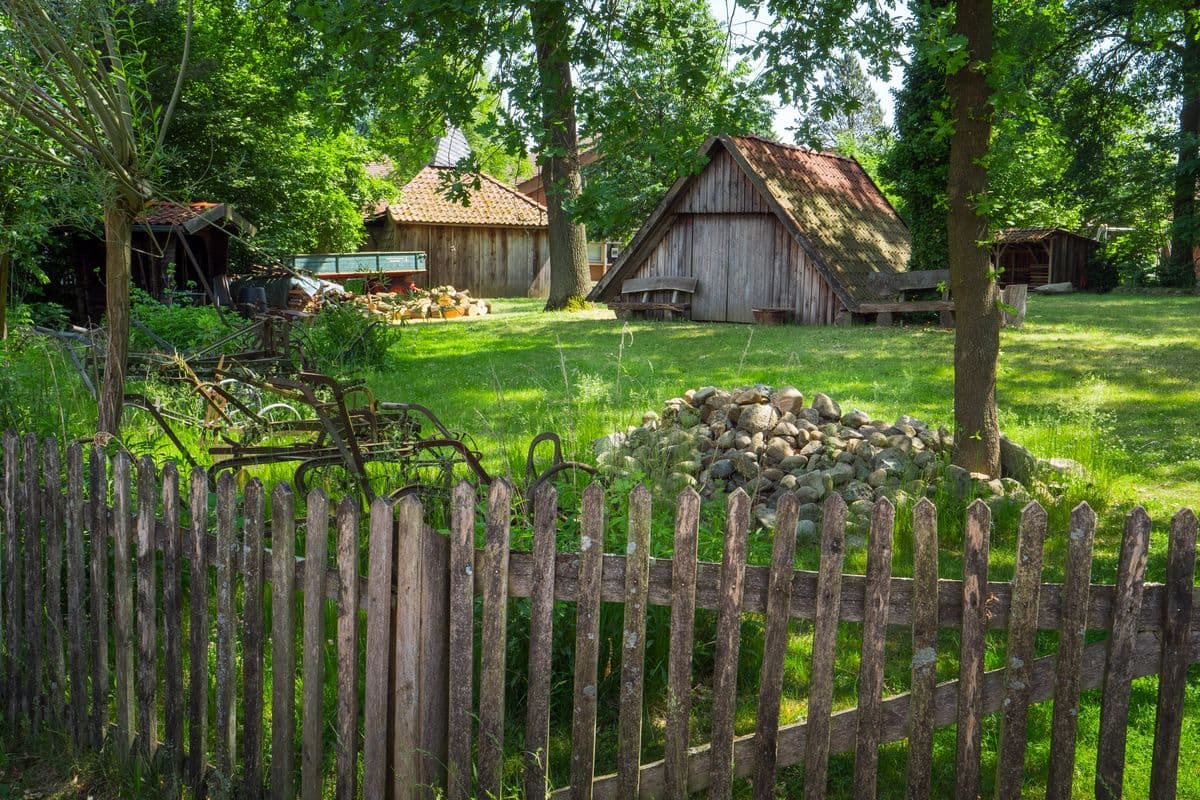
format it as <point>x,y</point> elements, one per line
<point>493,204</point>
<point>159,213</point>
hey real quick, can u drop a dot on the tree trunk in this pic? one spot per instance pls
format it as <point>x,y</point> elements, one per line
<point>118,238</point>
<point>976,311</point>
<point>559,153</point>
<point>1185,227</point>
<point>5,262</point>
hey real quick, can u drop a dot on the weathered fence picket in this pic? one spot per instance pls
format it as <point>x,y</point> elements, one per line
<point>70,561</point>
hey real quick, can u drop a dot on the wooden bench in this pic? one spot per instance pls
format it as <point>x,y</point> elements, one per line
<point>636,296</point>
<point>900,282</point>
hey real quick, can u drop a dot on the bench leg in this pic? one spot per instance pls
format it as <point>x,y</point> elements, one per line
<point>946,318</point>
<point>883,319</point>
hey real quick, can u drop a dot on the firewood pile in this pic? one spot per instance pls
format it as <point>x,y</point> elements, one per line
<point>440,302</point>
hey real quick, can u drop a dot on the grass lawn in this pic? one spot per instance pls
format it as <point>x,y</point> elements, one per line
<point>1108,380</point>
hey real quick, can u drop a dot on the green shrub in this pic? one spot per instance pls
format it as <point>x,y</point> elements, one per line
<point>344,336</point>
<point>183,325</point>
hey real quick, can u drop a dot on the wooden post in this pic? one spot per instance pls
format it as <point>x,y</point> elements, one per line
<point>1022,633</point>
<point>824,648</point>
<point>728,645</point>
<point>33,698</point>
<point>147,611</point>
<point>226,712</point>
<point>541,641</point>
<point>633,643</point>
<point>434,674</point>
<point>1172,682</point>
<point>56,667</point>
<point>254,510</point>
<point>1127,606</point>
<point>122,601</point>
<point>379,619</point>
<point>924,644</point>
<point>874,638</point>
<point>1067,676</point>
<point>406,655</point>
<point>587,635</point>
<point>172,619</point>
<point>11,574</point>
<point>462,641</point>
<point>98,497</point>
<point>495,616</point>
<point>347,650</point>
<point>683,628</point>
<point>970,671</point>
<point>200,633</point>
<point>79,658</point>
<point>316,557</point>
<point>775,645</point>
<point>283,641</point>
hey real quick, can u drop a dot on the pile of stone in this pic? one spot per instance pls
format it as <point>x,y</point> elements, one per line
<point>768,442</point>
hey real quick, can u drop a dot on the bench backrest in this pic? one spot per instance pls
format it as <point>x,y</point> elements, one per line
<point>659,284</point>
<point>909,281</point>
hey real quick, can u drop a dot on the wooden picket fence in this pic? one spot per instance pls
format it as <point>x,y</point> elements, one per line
<point>99,589</point>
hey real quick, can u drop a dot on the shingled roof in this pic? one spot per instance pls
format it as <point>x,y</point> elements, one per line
<point>826,201</point>
<point>161,215</point>
<point>493,204</point>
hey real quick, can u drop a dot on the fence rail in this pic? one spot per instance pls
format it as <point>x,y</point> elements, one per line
<point>116,595</point>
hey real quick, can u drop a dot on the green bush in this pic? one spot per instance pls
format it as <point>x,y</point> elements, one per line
<point>344,336</point>
<point>184,325</point>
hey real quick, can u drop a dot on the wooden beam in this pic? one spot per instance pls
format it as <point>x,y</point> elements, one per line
<point>913,306</point>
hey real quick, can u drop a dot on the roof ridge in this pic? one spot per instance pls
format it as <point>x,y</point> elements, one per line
<point>802,148</point>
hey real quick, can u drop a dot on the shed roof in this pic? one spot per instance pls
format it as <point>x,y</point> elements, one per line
<point>162,215</point>
<point>493,204</point>
<point>826,201</point>
<point>1023,235</point>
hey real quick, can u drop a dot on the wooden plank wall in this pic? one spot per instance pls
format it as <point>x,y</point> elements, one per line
<point>725,235</point>
<point>487,262</point>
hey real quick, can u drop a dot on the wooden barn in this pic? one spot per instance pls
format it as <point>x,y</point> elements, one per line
<point>495,245</point>
<point>1038,256</point>
<point>766,226</point>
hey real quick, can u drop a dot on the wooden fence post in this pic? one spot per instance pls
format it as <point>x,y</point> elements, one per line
<point>1068,672</point>
<point>633,642</point>
<point>80,654</point>
<point>462,640</point>
<point>1178,610</point>
<point>147,611</point>
<point>406,655</point>
<point>316,558</point>
<point>32,547</point>
<point>683,634</point>
<point>379,619</point>
<point>728,645</point>
<point>122,601</point>
<point>252,639</point>
<point>587,635</point>
<point>200,633</point>
<point>12,579</point>
<point>226,711</point>
<point>172,602</point>
<point>970,660</point>
<point>283,641</point>
<point>824,647</point>
<point>99,608</point>
<point>924,644</point>
<point>495,616</point>
<point>56,666</point>
<point>434,674</point>
<point>541,640</point>
<point>1022,633</point>
<point>874,639</point>
<point>347,650</point>
<point>1114,707</point>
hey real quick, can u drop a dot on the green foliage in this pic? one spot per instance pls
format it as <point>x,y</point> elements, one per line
<point>184,325</point>
<point>857,115</point>
<point>343,337</point>
<point>40,391</point>
<point>661,90</point>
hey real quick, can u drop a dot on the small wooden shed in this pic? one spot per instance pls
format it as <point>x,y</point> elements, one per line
<point>176,247</point>
<point>494,245</point>
<point>1038,256</point>
<point>769,225</point>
